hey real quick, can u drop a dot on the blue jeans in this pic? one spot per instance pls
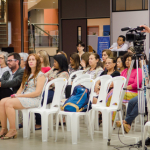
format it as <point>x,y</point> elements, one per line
<point>49,100</point>
<point>132,110</point>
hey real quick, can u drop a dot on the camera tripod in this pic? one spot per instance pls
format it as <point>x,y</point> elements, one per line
<point>141,100</point>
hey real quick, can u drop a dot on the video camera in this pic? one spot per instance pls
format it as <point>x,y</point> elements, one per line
<point>137,37</point>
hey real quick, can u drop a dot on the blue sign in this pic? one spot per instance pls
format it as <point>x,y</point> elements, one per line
<point>103,43</point>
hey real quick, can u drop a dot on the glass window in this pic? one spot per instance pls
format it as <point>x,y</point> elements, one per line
<point>120,5</point>
<point>127,5</point>
<point>146,4</point>
<point>134,4</point>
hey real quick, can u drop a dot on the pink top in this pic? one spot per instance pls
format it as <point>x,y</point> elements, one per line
<point>45,69</point>
<point>133,78</point>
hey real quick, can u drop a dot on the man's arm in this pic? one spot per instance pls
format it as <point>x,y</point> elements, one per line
<point>16,81</point>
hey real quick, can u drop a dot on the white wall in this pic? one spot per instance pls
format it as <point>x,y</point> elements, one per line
<point>37,16</point>
<point>128,19</point>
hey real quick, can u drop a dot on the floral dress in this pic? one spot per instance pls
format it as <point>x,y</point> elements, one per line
<point>28,102</point>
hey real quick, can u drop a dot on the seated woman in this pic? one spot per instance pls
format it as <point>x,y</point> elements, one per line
<point>60,70</point>
<point>120,64</point>
<point>110,70</point>
<point>95,66</point>
<point>3,60</point>
<point>94,69</point>
<point>74,63</point>
<point>131,91</point>
<point>28,96</point>
<point>105,54</point>
<point>85,60</point>
<point>45,66</point>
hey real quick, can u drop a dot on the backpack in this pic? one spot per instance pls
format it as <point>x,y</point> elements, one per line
<point>78,101</point>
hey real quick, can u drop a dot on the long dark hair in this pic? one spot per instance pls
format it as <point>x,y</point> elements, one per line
<point>62,61</point>
<point>76,60</point>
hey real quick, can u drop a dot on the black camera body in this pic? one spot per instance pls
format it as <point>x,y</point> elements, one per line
<point>137,37</point>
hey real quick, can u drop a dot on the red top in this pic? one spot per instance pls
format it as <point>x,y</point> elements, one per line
<point>45,69</point>
<point>133,78</point>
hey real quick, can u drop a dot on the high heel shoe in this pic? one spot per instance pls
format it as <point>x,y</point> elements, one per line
<point>3,133</point>
<point>6,138</point>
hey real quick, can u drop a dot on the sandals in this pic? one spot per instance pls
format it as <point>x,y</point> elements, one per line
<point>3,133</point>
<point>6,138</point>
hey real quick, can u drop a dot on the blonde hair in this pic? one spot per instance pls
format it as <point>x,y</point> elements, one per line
<point>45,57</point>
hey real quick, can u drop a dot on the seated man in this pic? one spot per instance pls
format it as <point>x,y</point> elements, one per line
<point>11,80</point>
<point>120,45</point>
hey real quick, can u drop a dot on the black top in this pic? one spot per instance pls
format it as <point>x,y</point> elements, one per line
<point>114,74</point>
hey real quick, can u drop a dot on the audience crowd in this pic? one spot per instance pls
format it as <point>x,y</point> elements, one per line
<point>23,76</point>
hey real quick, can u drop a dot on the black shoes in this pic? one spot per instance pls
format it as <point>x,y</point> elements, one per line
<point>147,141</point>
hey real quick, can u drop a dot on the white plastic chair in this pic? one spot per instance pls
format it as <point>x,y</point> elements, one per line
<point>119,83</point>
<point>77,73</point>
<point>25,113</point>
<point>60,84</point>
<point>79,77</point>
<point>74,116</point>
<point>101,97</point>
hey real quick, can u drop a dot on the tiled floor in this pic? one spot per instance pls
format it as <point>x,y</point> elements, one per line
<point>84,143</point>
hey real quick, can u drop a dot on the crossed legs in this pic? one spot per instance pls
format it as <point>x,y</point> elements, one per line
<point>7,110</point>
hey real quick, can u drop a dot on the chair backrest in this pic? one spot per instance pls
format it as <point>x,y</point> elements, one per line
<point>46,81</point>
<point>60,84</point>
<point>83,76</point>
<point>119,84</point>
<point>88,83</point>
<point>104,89</point>
<point>77,73</point>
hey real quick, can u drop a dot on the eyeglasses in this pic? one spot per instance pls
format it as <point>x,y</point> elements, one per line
<point>1,58</point>
<point>11,60</point>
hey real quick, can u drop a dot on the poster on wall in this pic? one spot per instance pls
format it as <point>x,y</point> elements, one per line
<point>103,43</point>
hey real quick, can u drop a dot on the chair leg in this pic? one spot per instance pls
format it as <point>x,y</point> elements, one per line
<point>121,123</point>
<point>68,120</point>
<point>97,120</point>
<point>25,123</point>
<point>62,126</point>
<point>32,116</point>
<point>17,120</point>
<point>105,124</point>
<point>44,118</point>
<point>90,124</point>
<point>78,126</point>
<point>29,125</point>
<point>57,122</point>
<point>74,128</point>
<point>50,123</point>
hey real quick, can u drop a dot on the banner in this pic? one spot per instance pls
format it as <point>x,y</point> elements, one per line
<point>103,43</point>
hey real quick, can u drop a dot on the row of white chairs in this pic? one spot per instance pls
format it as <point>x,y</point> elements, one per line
<point>60,84</point>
